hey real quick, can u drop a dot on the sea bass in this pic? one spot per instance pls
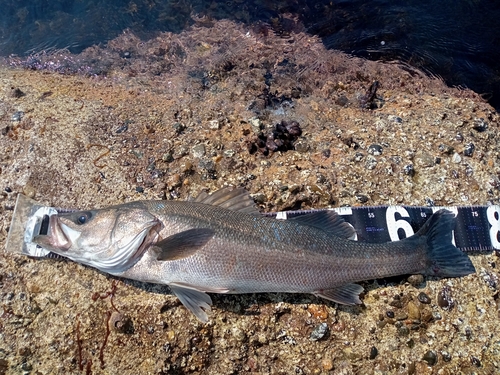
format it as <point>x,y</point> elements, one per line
<point>219,243</point>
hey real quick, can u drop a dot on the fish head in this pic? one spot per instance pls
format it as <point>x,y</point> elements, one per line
<point>110,239</point>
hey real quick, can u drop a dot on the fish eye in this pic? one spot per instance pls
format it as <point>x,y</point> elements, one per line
<point>83,218</point>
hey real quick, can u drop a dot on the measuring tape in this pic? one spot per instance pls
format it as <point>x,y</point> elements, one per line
<point>477,228</point>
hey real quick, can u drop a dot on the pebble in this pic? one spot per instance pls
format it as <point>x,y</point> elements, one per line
<point>16,92</point>
<point>430,357</point>
<point>214,124</point>
<point>413,311</point>
<point>480,125</point>
<point>17,116</point>
<point>390,314</point>
<point>396,302</point>
<point>174,180</point>
<point>403,331</point>
<point>429,202</point>
<point>238,334</point>
<point>409,170</point>
<point>342,101</point>
<point>375,149</point>
<point>122,129</point>
<point>396,119</point>
<point>416,280</point>
<point>446,149</point>
<point>198,151</point>
<point>26,366</point>
<point>186,167</point>
<point>319,332</point>
<point>327,364</point>
<point>401,316</point>
<point>410,343</point>
<point>446,356</point>
<point>371,163</point>
<point>167,157</point>
<point>178,127</point>
<point>424,298</point>
<point>444,298</point>
<point>469,149</point>
<point>256,124</point>
<point>229,153</point>
<point>259,198</point>
<point>362,198</point>
<point>469,171</point>
<point>318,311</point>
<point>29,191</point>
<point>456,158</point>
<point>301,147</point>
<point>292,127</point>
<point>475,361</point>
<point>426,160</point>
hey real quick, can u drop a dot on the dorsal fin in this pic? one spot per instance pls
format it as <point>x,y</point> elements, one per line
<point>328,221</point>
<point>231,198</point>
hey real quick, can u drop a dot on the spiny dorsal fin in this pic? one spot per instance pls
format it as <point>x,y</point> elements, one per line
<point>328,221</point>
<point>347,294</point>
<point>183,244</point>
<point>231,198</point>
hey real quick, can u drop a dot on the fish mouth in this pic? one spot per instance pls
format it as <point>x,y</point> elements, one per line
<point>59,237</point>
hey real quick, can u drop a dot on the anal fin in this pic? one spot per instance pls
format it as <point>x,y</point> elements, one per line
<point>347,294</point>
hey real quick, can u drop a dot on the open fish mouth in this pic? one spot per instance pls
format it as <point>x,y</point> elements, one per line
<point>59,236</point>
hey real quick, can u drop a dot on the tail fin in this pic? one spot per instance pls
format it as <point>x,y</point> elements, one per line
<point>445,260</point>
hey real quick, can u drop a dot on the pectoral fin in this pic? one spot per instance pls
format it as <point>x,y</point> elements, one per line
<point>196,301</point>
<point>346,294</point>
<point>182,245</point>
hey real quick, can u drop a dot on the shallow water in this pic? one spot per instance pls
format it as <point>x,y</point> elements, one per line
<point>452,39</point>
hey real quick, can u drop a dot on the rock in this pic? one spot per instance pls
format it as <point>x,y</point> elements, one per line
<point>413,311</point>
<point>214,124</point>
<point>319,332</point>
<point>456,158</point>
<point>198,151</point>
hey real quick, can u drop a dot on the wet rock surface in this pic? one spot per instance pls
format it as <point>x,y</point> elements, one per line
<point>175,116</point>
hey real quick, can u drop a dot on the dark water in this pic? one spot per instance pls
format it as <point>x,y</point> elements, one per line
<point>456,40</point>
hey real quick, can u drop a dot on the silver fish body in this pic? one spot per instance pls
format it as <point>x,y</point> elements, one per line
<point>220,244</point>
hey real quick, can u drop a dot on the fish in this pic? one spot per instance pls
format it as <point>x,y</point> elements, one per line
<point>220,243</point>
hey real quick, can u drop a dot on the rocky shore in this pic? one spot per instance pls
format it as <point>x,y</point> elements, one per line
<point>299,127</point>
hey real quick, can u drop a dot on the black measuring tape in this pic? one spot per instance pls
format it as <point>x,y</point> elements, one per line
<point>477,228</point>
